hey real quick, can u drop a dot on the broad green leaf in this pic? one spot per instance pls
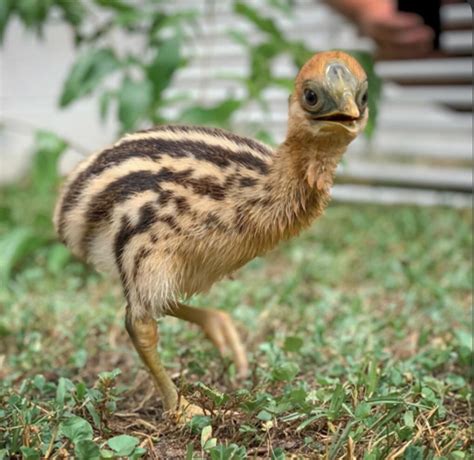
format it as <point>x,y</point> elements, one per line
<point>44,168</point>
<point>87,73</point>
<point>32,12</point>
<point>408,419</point>
<point>61,391</point>
<point>217,115</point>
<point>261,57</point>
<point>414,453</point>
<point>264,415</point>
<point>464,338</point>
<point>139,452</point>
<point>81,390</point>
<point>362,410</point>
<point>278,454</point>
<point>293,343</point>
<point>76,429</point>
<point>57,258</point>
<point>134,100</point>
<point>119,6</point>
<point>264,24</point>
<point>230,452</point>
<point>93,413</point>
<point>123,444</point>
<point>39,382</point>
<point>86,449</point>
<point>163,66</point>
<point>198,422</point>
<point>29,453</point>
<point>210,444</point>
<point>6,7</point>
<point>285,371</point>
<point>206,434</point>
<point>15,245</point>
<point>73,12</point>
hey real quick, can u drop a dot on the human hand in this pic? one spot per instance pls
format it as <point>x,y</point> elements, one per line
<point>398,34</point>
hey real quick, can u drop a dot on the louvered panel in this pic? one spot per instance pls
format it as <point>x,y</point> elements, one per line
<point>420,142</point>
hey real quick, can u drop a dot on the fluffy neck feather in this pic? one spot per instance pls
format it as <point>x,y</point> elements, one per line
<point>297,189</point>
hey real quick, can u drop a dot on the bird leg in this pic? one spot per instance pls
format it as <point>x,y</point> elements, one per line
<point>144,336</point>
<point>220,329</point>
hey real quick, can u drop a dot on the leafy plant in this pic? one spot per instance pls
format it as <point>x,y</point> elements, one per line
<point>133,82</point>
<point>25,429</point>
<point>22,237</point>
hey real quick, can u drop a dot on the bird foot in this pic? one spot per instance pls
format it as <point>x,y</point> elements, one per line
<point>220,329</point>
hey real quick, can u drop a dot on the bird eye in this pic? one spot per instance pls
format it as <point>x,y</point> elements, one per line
<point>310,97</point>
<point>364,98</point>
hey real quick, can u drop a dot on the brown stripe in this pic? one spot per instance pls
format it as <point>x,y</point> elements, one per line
<point>140,256</point>
<point>247,181</point>
<point>101,207</point>
<point>124,187</point>
<point>154,149</point>
<point>182,205</point>
<point>127,231</point>
<point>213,222</point>
<point>220,156</point>
<point>216,132</point>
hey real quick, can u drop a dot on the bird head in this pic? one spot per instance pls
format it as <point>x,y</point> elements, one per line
<point>330,97</point>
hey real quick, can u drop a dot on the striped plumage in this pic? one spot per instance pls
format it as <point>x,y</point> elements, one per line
<point>175,208</point>
<point>172,209</point>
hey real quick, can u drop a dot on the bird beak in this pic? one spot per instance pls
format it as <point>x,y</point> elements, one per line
<point>349,107</point>
<point>345,111</point>
<point>342,85</point>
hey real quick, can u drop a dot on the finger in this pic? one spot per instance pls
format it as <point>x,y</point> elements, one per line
<point>400,21</point>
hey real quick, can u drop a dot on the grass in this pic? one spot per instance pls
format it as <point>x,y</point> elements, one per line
<point>359,336</point>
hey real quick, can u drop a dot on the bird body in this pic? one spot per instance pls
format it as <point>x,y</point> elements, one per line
<point>175,208</point>
<point>170,221</point>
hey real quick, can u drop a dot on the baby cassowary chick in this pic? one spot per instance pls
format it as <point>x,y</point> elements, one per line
<point>173,209</point>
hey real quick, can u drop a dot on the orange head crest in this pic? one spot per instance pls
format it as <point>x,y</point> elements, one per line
<point>331,94</point>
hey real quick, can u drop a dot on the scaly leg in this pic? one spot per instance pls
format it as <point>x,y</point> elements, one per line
<point>144,335</point>
<point>219,328</point>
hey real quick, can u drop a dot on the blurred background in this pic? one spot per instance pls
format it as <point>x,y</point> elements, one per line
<point>87,70</point>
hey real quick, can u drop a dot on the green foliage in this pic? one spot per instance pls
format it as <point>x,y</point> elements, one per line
<point>23,236</point>
<point>142,74</point>
<point>87,73</point>
<point>39,428</point>
<point>219,114</point>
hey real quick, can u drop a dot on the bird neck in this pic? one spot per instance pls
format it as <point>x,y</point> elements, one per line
<point>300,179</point>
